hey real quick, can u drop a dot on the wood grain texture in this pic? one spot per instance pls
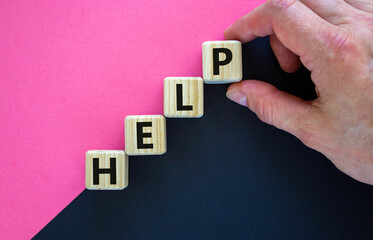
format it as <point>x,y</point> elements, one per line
<point>104,163</point>
<point>192,97</point>
<point>157,131</point>
<point>231,72</point>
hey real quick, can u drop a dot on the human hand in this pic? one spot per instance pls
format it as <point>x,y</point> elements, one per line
<point>334,40</point>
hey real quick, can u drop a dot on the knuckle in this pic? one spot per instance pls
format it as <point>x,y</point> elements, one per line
<point>264,109</point>
<point>282,4</point>
<point>362,19</point>
<point>342,44</point>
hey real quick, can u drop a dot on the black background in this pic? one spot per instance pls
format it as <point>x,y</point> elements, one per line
<point>227,176</point>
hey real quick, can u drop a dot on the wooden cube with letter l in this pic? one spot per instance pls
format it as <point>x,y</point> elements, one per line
<point>145,135</point>
<point>183,97</point>
<point>106,170</point>
<point>222,61</point>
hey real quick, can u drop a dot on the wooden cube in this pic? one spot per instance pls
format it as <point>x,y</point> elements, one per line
<point>183,97</point>
<point>222,61</point>
<point>145,135</point>
<point>106,170</point>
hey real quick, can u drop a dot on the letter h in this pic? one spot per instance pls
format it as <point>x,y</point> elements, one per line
<point>97,171</point>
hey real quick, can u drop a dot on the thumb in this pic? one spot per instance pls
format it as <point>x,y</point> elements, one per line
<point>278,108</point>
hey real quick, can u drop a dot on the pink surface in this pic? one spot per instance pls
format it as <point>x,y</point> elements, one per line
<point>70,72</point>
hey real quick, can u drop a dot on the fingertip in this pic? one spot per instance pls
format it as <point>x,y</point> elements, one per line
<point>233,86</point>
<point>289,62</point>
<point>250,86</point>
<point>225,34</point>
<point>236,95</point>
<point>291,66</point>
<point>228,33</point>
<point>238,31</point>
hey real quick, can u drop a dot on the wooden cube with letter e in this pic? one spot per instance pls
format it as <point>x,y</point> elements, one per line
<point>145,135</point>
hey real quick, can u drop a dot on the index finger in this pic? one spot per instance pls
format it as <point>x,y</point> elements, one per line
<point>302,31</point>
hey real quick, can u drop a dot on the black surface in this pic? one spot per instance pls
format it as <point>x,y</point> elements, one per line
<point>227,176</point>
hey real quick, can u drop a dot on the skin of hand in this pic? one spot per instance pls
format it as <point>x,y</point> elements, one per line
<point>334,40</point>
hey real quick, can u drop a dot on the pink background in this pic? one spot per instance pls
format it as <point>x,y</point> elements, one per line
<point>70,72</point>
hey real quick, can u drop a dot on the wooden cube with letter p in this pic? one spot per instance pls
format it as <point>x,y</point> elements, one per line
<point>222,61</point>
<point>106,170</point>
<point>183,97</point>
<point>145,135</point>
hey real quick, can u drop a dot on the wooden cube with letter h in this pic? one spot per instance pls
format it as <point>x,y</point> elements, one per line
<point>222,61</point>
<point>145,135</point>
<point>183,97</point>
<point>106,170</point>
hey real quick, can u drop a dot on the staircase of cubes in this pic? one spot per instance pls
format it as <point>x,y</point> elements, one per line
<point>146,134</point>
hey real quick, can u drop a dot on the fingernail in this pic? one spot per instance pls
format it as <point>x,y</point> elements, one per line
<point>237,96</point>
